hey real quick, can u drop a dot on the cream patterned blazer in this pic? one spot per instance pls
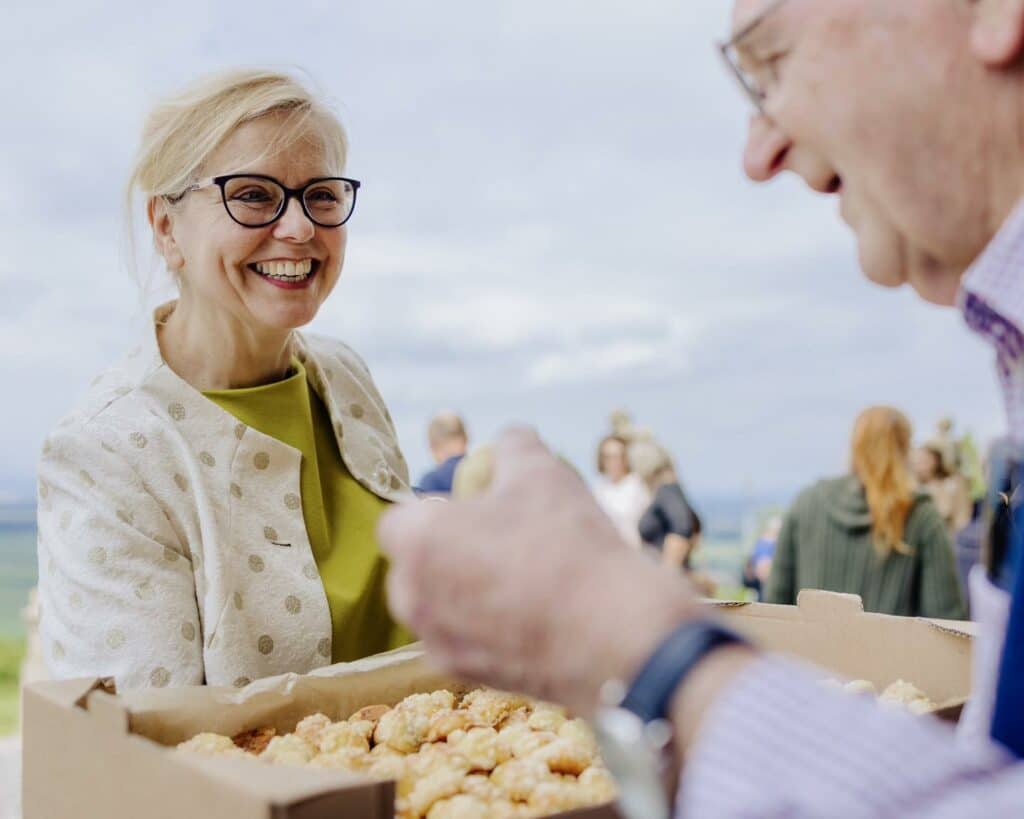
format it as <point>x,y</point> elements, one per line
<point>172,546</point>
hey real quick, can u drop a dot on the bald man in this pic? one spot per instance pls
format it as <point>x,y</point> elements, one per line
<point>448,440</point>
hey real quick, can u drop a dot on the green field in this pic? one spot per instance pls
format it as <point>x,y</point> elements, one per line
<point>11,653</point>
<point>17,574</point>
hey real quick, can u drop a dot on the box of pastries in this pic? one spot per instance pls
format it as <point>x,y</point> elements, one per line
<point>382,738</point>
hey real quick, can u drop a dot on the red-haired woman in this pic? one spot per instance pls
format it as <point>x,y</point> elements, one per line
<point>869,532</point>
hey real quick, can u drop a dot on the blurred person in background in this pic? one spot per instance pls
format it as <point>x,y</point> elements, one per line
<point>207,511</point>
<point>870,532</point>
<point>758,567</point>
<point>973,469</point>
<point>619,491</point>
<point>969,542</point>
<point>449,442</point>
<point>934,466</point>
<point>669,524</point>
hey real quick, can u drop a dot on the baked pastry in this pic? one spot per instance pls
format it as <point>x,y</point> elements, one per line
<point>860,687</point>
<point>909,696</point>
<point>900,693</point>
<point>254,741</point>
<point>310,728</point>
<point>290,749</point>
<point>343,735</point>
<point>487,754</point>
<point>208,744</point>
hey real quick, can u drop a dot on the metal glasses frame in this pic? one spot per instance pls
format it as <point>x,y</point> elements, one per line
<point>755,94</point>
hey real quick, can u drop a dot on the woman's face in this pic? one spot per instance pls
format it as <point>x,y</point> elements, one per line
<point>924,463</point>
<point>223,265</point>
<point>613,461</point>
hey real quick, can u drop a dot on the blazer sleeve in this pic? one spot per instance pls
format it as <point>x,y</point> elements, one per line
<point>116,586</point>
<point>782,580</point>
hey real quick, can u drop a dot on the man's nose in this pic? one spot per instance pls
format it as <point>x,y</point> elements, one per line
<point>294,224</point>
<point>767,147</point>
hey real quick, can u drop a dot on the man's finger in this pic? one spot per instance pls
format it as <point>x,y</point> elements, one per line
<point>404,523</point>
<point>518,440</point>
<point>516,446</point>
<point>400,595</point>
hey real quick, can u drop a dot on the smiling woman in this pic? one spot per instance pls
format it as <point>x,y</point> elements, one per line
<point>207,512</point>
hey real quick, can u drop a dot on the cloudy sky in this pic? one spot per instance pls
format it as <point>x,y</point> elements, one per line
<point>553,223</point>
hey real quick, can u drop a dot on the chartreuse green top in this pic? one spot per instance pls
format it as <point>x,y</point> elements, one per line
<point>340,514</point>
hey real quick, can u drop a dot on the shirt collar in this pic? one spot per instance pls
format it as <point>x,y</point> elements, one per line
<point>992,291</point>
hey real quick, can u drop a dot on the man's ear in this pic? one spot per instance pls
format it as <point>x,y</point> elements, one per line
<point>161,219</point>
<point>997,32</point>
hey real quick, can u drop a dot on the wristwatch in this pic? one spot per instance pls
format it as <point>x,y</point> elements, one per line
<point>632,725</point>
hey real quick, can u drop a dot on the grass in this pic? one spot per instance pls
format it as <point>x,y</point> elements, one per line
<point>734,593</point>
<point>11,653</point>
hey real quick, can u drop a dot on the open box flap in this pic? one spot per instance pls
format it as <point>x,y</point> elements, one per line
<point>170,716</point>
<point>276,784</point>
<point>833,631</point>
<point>71,693</point>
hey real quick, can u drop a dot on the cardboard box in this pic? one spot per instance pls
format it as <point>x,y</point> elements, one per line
<point>89,753</point>
<point>833,631</point>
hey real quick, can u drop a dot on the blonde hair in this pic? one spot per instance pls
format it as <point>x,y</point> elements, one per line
<point>880,449</point>
<point>648,459</point>
<point>182,132</point>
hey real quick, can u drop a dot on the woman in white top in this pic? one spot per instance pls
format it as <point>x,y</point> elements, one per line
<point>619,491</point>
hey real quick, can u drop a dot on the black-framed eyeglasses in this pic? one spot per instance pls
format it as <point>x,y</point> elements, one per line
<point>256,200</point>
<point>750,85</point>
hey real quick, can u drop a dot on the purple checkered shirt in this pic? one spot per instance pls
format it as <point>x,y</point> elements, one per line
<point>777,744</point>
<point>992,299</point>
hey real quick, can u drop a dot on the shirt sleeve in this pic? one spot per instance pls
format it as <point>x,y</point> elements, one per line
<point>431,482</point>
<point>116,587</point>
<point>675,510</point>
<point>776,743</point>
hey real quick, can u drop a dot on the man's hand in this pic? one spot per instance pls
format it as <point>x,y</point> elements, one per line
<point>528,586</point>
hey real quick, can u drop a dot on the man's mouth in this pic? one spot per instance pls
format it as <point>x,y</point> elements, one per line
<point>836,185</point>
<point>290,272</point>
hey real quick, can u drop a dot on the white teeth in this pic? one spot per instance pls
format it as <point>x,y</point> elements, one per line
<point>286,271</point>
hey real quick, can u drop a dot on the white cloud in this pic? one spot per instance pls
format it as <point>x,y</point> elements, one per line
<point>596,362</point>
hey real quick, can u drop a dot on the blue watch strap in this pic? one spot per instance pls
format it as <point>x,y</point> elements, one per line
<point>651,693</point>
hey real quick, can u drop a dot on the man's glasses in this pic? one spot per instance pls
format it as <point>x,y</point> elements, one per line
<point>254,200</point>
<point>752,87</point>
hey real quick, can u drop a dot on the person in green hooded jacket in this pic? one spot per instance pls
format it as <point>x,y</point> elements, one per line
<point>871,532</point>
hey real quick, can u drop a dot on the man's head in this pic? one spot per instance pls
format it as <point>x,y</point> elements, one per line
<point>447,436</point>
<point>912,112</point>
